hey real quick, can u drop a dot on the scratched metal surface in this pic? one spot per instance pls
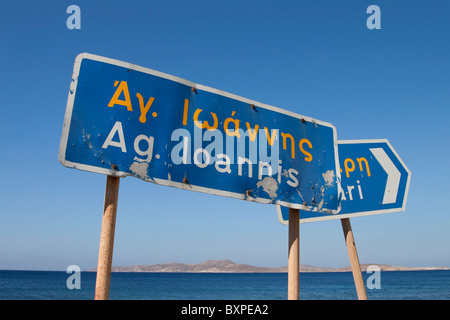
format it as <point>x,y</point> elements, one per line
<point>108,100</point>
<point>374,180</point>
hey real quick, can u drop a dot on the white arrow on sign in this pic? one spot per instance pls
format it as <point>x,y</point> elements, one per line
<point>393,180</point>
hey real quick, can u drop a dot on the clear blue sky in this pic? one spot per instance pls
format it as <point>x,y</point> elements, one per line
<point>315,58</point>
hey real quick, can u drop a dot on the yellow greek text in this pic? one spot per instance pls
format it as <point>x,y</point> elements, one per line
<point>123,87</point>
<point>308,155</point>
<point>287,135</point>
<point>236,126</point>
<point>347,168</point>
<point>360,160</point>
<point>144,109</point>
<point>251,134</point>
<point>185,111</point>
<point>205,124</point>
<point>269,138</point>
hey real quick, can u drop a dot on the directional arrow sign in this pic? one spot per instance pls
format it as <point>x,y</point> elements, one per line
<point>393,175</point>
<point>374,180</point>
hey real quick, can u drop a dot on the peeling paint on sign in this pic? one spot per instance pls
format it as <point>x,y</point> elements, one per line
<point>329,178</point>
<point>139,169</point>
<point>375,180</point>
<point>269,185</point>
<point>125,120</point>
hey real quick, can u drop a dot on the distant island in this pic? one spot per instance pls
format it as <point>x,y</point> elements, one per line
<point>228,266</point>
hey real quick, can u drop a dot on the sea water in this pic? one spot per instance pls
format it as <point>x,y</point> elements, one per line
<point>393,285</point>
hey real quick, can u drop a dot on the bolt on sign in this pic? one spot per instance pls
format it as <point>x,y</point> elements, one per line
<point>126,120</point>
<point>374,180</point>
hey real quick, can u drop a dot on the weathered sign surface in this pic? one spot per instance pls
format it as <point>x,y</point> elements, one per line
<point>374,180</point>
<point>126,120</point>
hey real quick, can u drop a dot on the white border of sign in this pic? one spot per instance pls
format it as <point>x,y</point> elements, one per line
<point>365,213</point>
<point>68,115</point>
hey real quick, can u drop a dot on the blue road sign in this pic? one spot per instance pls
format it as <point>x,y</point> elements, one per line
<point>125,120</point>
<point>374,180</point>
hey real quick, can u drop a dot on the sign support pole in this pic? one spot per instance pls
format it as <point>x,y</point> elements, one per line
<point>354,260</point>
<point>105,253</point>
<point>294,254</point>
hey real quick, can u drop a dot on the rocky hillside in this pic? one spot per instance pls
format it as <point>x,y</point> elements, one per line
<point>228,266</point>
<point>207,266</point>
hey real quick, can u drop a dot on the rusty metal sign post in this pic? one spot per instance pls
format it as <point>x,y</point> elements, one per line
<point>105,253</point>
<point>294,255</point>
<point>354,260</point>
